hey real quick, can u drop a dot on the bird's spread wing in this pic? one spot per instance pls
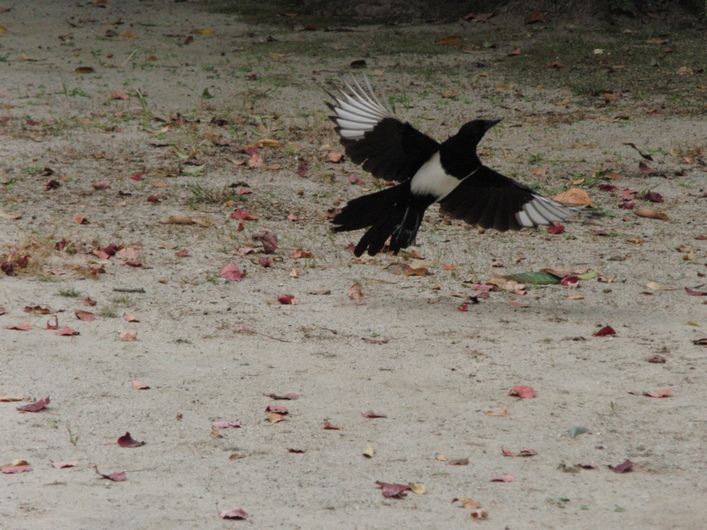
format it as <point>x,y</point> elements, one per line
<point>491,200</point>
<point>374,138</point>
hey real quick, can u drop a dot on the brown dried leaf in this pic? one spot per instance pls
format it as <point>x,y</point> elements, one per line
<point>574,197</point>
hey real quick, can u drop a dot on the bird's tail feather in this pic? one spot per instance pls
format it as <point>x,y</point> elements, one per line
<point>387,213</point>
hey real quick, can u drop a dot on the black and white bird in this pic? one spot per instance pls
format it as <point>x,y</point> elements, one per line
<point>426,171</point>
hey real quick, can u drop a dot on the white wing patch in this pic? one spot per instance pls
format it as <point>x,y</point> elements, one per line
<point>543,211</point>
<point>432,179</point>
<point>359,112</point>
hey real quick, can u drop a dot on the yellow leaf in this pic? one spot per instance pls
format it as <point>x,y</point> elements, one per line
<point>504,86</point>
<point>203,31</point>
<point>417,488</point>
<point>369,451</point>
<point>128,35</point>
<point>3,29</point>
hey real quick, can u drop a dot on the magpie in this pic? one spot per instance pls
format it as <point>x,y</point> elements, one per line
<point>426,171</point>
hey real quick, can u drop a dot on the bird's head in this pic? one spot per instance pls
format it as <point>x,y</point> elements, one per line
<point>473,131</point>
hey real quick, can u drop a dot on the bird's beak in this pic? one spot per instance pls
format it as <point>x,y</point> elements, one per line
<point>491,123</point>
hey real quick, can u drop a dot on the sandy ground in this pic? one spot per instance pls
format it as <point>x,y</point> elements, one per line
<point>181,116</point>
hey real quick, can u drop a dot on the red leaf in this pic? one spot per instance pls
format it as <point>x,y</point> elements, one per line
<point>523,392</point>
<point>115,477</point>
<point>694,292</point>
<point>504,478</point>
<point>66,331</point>
<point>265,261</point>
<point>295,451</point>
<point>182,253</point>
<point>268,240</point>
<point>129,317</point>
<point>653,196</point>
<point>54,325</point>
<point>606,330</point>
<point>85,315</point>
<point>622,468</point>
<point>133,263</point>
<point>231,272</point>
<point>277,409</point>
<point>328,426</point>
<point>627,194</point>
<point>556,228</point>
<point>25,326</point>
<point>371,414</point>
<point>569,280</point>
<point>356,294</point>
<point>645,168</point>
<point>299,254</point>
<point>233,513</point>
<point>137,176</point>
<point>89,301</point>
<point>287,299</point>
<point>127,441</point>
<point>242,215</point>
<point>80,219</point>
<point>233,424</point>
<point>36,406</point>
<point>52,185</point>
<point>607,187</point>
<point>393,490</point>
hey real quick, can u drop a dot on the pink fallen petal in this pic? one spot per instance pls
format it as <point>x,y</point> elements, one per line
<point>556,228</point>
<point>504,478</point>
<point>129,317</point>
<point>233,513</point>
<point>233,424</point>
<point>36,406</point>
<point>11,470</point>
<point>65,464</point>
<point>66,331</point>
<point>522,391</point>
<point>25,326</point>
<point>392,490</point>
<point>114,477</point>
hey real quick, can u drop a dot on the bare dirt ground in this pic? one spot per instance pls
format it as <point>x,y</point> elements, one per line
<point>119,118</point>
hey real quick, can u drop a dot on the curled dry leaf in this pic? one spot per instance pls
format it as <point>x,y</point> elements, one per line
<point>80,219</point>
<point>504,478</point>
<point>127,441</point>
<point>233,513</point>
<point>479,514</point>
<point>624,467</point>
<point>85,315</point>
<point>129,317</point>
<point>522,391</point>
<point>652,214</point>
<point>268,240</point>
<point>233,424</point>
<point>356,294</point>
<point>500,411</point>
<point>127,335</point>
<point>287,299</point>
<point>286,397</point>
<point>369,452</point>
<point>658,393</point>
<point>393,491</point>
<point>113,477</point>
<point>556,228</point>
<point>139,385</point>
<point>458,462</point>
<point>371,414</point>
<point>657,359</point>
<point>14,468</point>
<point>65,464</point>
<point>36,406</point>
<point>231,272</point>
<point>574,197</point>
<point>466,502</point>
<point>605,331</point>
<point>24,326</point>
<point>328,426</point>
<point>417,488</point>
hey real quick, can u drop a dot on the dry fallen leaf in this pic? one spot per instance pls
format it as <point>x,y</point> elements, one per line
<point>522,391</point>
<point>501,411</point>
<point>127,335</point>
<point>418,488</point>
<point>356,294</point>
<point>574,197</point>
<point>652,214</point>
<point>369,451</point>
